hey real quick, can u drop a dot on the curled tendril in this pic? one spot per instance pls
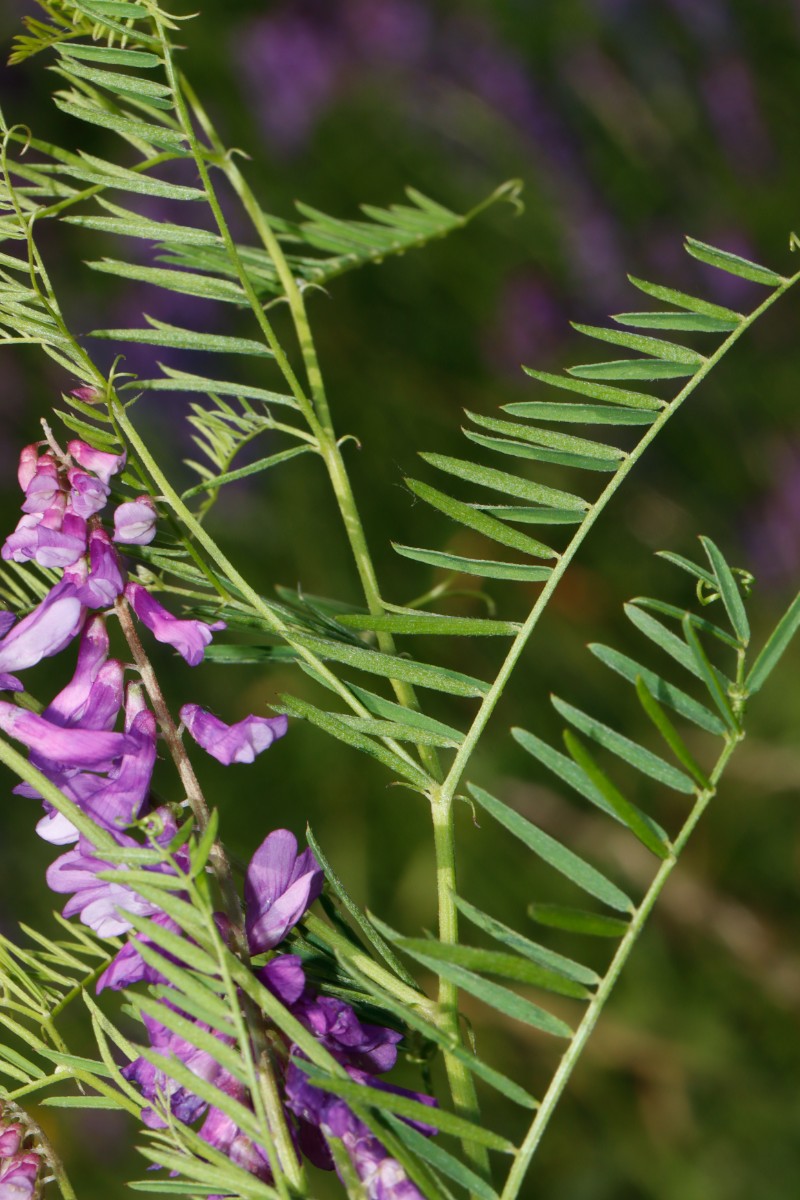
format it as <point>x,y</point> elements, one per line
<point>707,594</point>
<point>746,579</point>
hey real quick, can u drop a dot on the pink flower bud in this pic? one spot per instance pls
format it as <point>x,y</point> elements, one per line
<point>28,459</point>
<point>103,464</point>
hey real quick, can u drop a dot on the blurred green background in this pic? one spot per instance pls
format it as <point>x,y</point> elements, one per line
<point>630,124</point>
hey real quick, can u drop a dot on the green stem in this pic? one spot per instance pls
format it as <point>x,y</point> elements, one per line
<point>460,1079</point>
<point>443,811</point>
<point>369,967</point>
<point>192,525</point>
<point>324,430</point>
<point>317,414</point>
<point>230,245</point>
<point>254,1048</point>
<point>567,1065</point>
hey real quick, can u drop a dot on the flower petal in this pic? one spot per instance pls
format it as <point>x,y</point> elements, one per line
<point>189,637</point>
<point>239,743</point>
<point>135,522</point>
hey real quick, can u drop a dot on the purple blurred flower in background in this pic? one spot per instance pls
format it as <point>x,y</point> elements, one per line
<point>392,33</point>
<point>729,90</point>
<point>772,530</point>
<point>291,66</point>
<point>529,323</point>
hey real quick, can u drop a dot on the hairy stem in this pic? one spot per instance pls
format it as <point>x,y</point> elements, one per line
<point>253,1028</point>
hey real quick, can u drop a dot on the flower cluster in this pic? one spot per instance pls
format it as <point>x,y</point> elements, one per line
<point>107,771</point>
<point>279,887</point>
<point>73,742</point>
<point>19,1168</point>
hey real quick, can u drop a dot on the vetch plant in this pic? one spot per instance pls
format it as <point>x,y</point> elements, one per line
<point>270,1010</point>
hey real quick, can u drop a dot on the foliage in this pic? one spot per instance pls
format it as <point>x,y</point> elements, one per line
<point>115,61</point>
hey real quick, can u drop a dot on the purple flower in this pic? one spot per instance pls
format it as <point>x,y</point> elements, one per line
<point>189,637</point>
<point>238,743</point>
<point>28,462</point>
<point>285,978</point>
<point>72,747</point>
<point>104,699</point>
<point>10,683</point>
<point>68,706</point>
<point>221,1132</point>
<point>105,581</point>
<point>120,801</point>
<point>336,1026</point>
<point>89,395</point>
<point>18,1177</point>
<point>7,619</point>
<point>98,901</point>
<point>88,494</point>
<point>100,462</point>
<point>279,887</point>
<point>383,1176</point>
<point>135,522</point>
<point>46,631</point>
<point>155,1083</point>
<point>55,538</point>
<point>119,798</point>
<point>128,967</point>
<point>44,487</point>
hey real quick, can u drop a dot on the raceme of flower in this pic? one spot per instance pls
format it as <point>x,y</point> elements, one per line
<point>108,774</point>
<point>268,1030</point>
<point>282,883</point>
